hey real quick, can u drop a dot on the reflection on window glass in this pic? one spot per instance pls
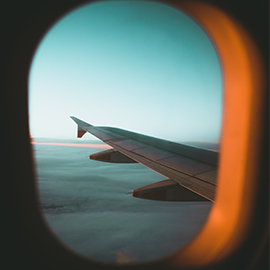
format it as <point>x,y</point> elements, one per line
<point>141,66</point>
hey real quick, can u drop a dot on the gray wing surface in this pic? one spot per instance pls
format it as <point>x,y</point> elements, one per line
<point>190,171</point>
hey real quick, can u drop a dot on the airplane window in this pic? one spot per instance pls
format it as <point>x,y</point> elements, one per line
<point>140,66</point>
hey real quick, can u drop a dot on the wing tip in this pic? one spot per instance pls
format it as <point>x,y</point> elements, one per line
<point>80,122</point>
<point>81,126</point>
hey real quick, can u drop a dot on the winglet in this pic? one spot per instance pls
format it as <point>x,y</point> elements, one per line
<point>81,126</point>
<point>80,133</point>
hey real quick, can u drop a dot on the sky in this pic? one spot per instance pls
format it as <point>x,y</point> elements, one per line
<point>136,65</point>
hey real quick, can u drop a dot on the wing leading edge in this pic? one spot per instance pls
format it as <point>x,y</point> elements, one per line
<point>191,171</point>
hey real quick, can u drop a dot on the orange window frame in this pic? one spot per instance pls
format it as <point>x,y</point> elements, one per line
<point>231,220</point>
<point>243,95</point>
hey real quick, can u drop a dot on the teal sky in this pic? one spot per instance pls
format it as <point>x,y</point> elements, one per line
<point>136,65</point>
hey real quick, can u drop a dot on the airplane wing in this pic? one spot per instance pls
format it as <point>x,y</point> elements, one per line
<point>191,171</point>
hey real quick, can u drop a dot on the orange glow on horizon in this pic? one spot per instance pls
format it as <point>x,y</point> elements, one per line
<point>84,145</point>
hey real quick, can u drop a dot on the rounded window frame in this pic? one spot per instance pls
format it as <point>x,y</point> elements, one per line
<point>246,163</point>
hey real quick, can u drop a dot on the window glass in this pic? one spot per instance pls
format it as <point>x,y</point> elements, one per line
<point>140,66</point>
